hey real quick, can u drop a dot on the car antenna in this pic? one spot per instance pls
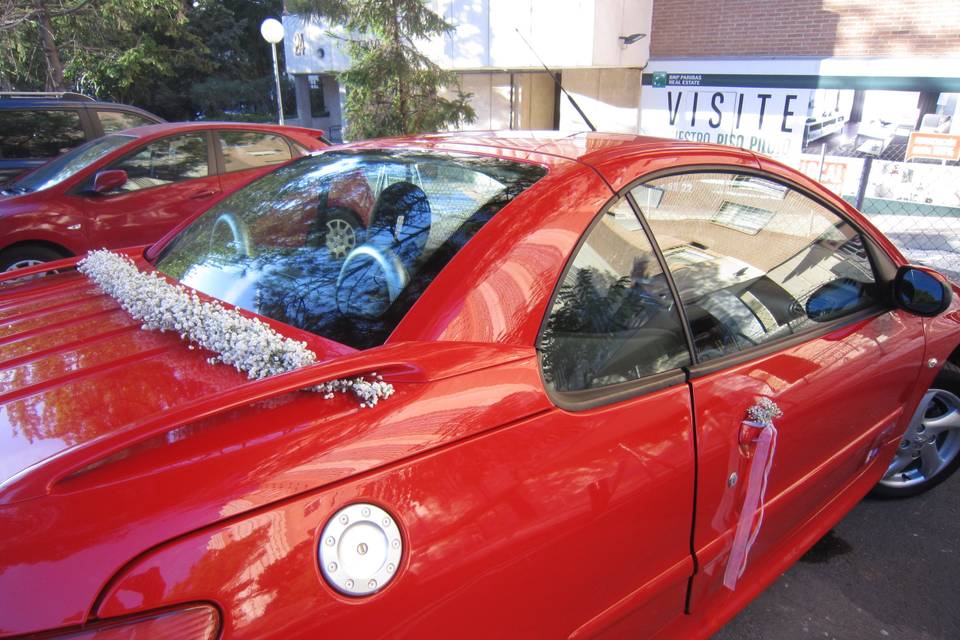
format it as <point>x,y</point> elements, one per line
<point>557,82</point>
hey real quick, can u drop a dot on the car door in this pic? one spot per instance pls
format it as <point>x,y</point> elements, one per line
<point>612,349</point>
<point>759,267</point>
<point>247,155</point>
<point>167,180</point>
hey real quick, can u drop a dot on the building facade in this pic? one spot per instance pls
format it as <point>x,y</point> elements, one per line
<point>782,78</point>
<point>787,78</point>
<point>863,95</point>
<point>494,49</point>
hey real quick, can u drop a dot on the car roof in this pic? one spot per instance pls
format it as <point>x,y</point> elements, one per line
<point>552,147</point>
<point>163,128</point>
<point>54,103</point>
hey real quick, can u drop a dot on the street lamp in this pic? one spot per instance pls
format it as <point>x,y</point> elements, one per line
<point>272,32</point>
<point>626,41</point>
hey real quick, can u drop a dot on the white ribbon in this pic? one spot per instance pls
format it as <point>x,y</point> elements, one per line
<point>752,511</point>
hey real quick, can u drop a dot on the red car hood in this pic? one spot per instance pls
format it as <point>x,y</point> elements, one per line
<point>115,439</point>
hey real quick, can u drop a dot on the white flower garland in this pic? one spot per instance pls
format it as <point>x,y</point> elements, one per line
<point>248,344</point>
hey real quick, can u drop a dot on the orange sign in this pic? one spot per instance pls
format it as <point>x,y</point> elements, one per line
<point>933,146</point>
<point>833,175</point>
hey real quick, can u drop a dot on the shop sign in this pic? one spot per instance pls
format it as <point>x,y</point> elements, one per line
<point>765,120</point>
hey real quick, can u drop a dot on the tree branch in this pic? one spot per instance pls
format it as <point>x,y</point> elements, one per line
<point>10,18</point>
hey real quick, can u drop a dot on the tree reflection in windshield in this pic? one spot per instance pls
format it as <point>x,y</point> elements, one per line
<point>264,248</point>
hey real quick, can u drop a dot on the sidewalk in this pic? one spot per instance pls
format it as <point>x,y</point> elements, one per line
<point>890,569</point>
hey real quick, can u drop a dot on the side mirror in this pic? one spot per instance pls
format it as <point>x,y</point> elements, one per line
<point>835,299</point>
<point>107,181</point>
<point>921,291</point>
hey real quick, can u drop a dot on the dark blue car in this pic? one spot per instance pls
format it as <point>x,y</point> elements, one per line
<point>35,127</point>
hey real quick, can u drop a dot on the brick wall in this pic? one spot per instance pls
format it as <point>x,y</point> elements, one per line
<point>740,28</point>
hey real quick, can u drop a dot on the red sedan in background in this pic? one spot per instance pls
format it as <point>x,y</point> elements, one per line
<point>633,380</point>
<point>132,187</point>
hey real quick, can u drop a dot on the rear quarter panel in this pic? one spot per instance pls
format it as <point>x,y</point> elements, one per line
<point>528,529</point>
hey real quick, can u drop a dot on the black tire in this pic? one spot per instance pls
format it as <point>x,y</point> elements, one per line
<point>900,484</point>
<point>28,252</point>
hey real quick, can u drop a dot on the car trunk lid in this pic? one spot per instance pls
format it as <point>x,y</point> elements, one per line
<point>75,368</point>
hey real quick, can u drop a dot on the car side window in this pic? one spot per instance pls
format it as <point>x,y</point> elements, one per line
<point>613,319</point>
<point>40,133</point>
<point>753,259</point>
<point>165,161</point>
<point>252,149</point>
<point>113,121</point>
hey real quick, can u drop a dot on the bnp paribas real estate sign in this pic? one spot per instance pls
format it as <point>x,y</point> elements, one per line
<point>758,112</point>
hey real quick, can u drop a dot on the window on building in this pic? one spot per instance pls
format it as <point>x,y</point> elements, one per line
<point>318,108</point>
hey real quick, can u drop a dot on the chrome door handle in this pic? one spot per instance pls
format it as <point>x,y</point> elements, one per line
<point>200,195</point>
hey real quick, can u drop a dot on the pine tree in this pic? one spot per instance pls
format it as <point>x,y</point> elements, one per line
<point>392,88</point>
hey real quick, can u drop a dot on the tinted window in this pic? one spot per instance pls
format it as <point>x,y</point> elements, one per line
<point>251,149</point>
<point>118,120</point>
<point>39,134</point>
<point>747,255</point>
<point>264,247</point>
<point>165,161</point>
<point>613,319</point>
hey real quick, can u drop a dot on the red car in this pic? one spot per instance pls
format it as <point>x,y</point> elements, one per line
<point>596,386</point>
<point>132,187</point>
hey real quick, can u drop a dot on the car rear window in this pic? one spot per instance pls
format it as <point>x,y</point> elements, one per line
<point>343,243</point>
<point>40,133</point>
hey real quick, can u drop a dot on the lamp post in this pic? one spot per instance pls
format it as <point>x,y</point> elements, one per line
<point>272,32</point>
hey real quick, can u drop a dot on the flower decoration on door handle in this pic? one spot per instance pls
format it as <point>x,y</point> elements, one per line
<point>758,440</point>
<point>759,417</point>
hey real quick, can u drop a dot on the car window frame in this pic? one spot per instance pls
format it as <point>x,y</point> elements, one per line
<point>881,264</point>
<point>218,151</point>
<point>86,184</point>
<point>585,399</point>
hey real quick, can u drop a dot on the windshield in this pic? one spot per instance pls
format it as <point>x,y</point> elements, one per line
<point>62,167</point>
<point>342,244</point>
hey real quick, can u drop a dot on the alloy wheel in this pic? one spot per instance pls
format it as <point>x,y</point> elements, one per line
<point>931,443</point>
<point>341,237</point>
<point>22,264</point>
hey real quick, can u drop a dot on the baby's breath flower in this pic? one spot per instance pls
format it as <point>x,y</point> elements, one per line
<point>247,344</point>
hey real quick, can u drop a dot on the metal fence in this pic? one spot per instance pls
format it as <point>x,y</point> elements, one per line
<point>916,203</point>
